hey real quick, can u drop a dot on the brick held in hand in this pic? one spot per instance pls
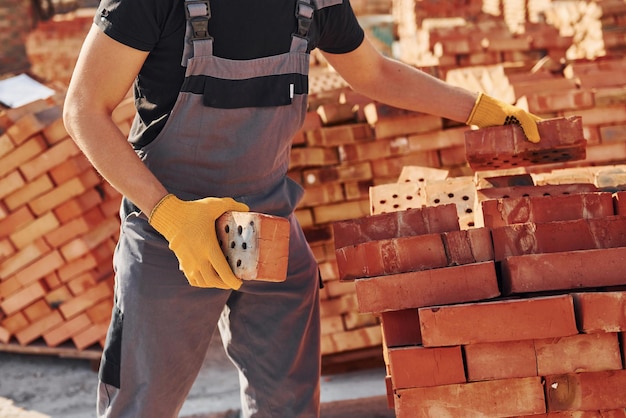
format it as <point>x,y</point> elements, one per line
<point>501,147</point>
<point>256,245</point>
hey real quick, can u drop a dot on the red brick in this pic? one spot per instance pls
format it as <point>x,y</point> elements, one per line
<point>456,284</point>
<point>52,157</point>
<point>559,236</point>
<point>381,148</point>
<point>391,256</point>
<point>586,391</point>
<point>620,203</point>
<point>556,101</point>
<point>601,311</point>
<point>426,220</point>
<point>614,413</point>
<point>84,301</point>
<point>500,360</point>
<point>504,320</point>
<point>333,136</point>
<point>400,328</point>
<point>90,336</point>
<point>506,146</point>
<point>413,367</point>
<point>578,353</point>
<point>15,221</point>
<point>494,398</point>
<point>501,212</point>
<point>518,191</point>
<point>39,268</point>
<point>29,149</point>
<point>29,192</point>
<point>34,230</point>
<point>563,270</point>
<point>11,183</point>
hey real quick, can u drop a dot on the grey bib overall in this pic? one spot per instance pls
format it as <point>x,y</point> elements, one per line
<point>229,134</point>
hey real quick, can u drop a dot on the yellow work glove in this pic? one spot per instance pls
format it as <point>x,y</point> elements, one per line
<point>491,112</point>
<point>189,227</point>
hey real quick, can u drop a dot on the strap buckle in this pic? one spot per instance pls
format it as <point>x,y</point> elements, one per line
<point>198,13</point>
<point>304,13</point>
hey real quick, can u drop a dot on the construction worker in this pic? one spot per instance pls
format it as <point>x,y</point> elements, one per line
<point>220,89</point>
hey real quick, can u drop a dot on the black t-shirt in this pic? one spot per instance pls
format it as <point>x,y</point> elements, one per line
<point>242,29</point>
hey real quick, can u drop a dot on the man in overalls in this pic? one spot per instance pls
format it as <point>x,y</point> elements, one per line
<point>221,88</point>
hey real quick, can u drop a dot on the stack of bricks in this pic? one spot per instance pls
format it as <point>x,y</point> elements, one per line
<point>523,316</point>
<point>58,228</point>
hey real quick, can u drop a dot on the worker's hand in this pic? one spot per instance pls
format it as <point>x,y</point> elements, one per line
<point>189,228</point>
<point>491,112</point>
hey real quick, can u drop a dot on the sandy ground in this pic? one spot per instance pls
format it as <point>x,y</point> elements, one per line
<point>40,386</point>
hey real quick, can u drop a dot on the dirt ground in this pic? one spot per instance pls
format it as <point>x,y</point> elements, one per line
<point>40,386</point>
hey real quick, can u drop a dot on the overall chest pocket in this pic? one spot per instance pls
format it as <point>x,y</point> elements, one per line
<point>265,91</point>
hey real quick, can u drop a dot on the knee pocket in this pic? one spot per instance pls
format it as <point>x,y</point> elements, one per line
<point>109,372</point>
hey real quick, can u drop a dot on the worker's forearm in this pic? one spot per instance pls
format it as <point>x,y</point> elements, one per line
<point>110,153</point>
<point>409,88</point>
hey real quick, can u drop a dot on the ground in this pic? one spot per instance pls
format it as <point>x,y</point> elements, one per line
<point>41,386</point>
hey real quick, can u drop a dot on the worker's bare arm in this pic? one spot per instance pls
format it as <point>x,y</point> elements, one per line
<point>104,73</point>
<point>392,82</point>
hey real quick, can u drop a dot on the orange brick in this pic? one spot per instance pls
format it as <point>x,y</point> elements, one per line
<point>392,167</point>
<point>563,270</point>
<point>381,148</point>
<point>438,140</point>
<point>601,311</point>
<point>22,298</point>
<point>80,246</point>
<point>5,335</point>
<point>505,320</point>
<point>614,413</point>
<point>81,283</point>
<point>500,360</point>
<point>418,289</point>
<point>38,328</point>
<point>74,228</point>
<point>495,398</point>
<point>29,192</point>
<point>85,300</point>
<point>100,312</point>
<point>340,173</point>
<point>340,211</point>
<point>586,391</point>
<point>413,367</point>
<point>70,169</point>
<point>57,296</point>
<point>43,266</point>
<point>15,221</point>
<point>57,196</point>
<point>15,322</point>
<point>578,353</point>
<point>76,267</point>
<point>6,144</point>
<point>36,310</point>
<point>52,157</point>
<point>333,136</point>
<point>66,330</point>
<point>90,335</point>
<point>24,128</point>
<point>55,132</point>
<point>34,230</point>
<point>11,183</point>
<point>78,206</point>
<point>23,257</point>
<point>21,154</point>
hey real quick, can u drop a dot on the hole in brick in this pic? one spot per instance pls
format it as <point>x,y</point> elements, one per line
<point>409,197</point>
<point>251,223</point>
<point>244,246</point>
<point>239,229</point>
<point>395,196</point>
<point>232,244</point>
<point>525,195</point>
<point>565,192</point>
<point>546,194</point>
<point>238,263</point>
<point>465,198</point>
<point>227,229</point>
<point>505,196</point>
<point>450,195</point>
<point>470,224</point>
<point>468,210</point>
<point>396,206</point>
<point>421,180</point>
<point>382,202</point>
<point>437,200</point>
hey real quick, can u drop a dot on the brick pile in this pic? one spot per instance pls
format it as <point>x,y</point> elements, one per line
<point>349,150</point>
<point>58,228</point>
<point>523,316</point>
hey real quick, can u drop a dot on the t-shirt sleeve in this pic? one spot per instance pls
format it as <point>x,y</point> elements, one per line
<point>340,31</point>
<point>135,23</point>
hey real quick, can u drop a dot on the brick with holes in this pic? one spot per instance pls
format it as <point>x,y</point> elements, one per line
<point>500,147</point>
<point>256,245</point>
